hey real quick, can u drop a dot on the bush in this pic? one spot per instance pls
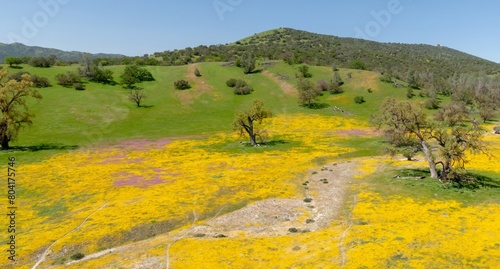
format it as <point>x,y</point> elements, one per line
<point>431,103</point>
<point>242,88</point>
<point>231,82</point>
<point>304,71</point>
<point>497,129</point>
<point>357,64</point>
<point>68,79</point>
<point>79,86</point>
<point>77,256</point>
<point>182,84</point>
<point>359,99</point>
<point>370,90</point>
<point>322,85</point>
<point>409,93</point>
<point>197,72</point>
<point>18,76</point>
<point>334,88</point>
<point>40,82</point>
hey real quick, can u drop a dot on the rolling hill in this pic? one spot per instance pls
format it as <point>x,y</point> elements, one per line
<point>298,46</point>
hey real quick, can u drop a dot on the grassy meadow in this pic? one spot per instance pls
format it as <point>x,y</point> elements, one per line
<point>96,172</point>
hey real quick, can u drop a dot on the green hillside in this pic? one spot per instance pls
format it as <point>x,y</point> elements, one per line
<point>316,49</point>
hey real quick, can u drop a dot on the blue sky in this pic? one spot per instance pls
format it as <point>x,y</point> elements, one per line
<point>147,26</point>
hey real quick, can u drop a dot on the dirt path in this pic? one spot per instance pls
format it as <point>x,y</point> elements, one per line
<point>286,87</point>
<point>324,191</point>
<point>47,250</point>
<point>201,87</point>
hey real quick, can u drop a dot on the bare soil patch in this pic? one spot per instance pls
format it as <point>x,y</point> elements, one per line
<point>286,87</point>
<point>200,86</point>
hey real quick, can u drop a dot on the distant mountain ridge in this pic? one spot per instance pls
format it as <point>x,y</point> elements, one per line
<point>21,50</point>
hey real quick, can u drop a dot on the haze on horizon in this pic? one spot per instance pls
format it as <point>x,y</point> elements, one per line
<point>143,27</point>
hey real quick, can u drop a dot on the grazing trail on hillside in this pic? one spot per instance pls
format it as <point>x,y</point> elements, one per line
<point>200,86</point>
<point>286,87</point>
<point>46,252</point>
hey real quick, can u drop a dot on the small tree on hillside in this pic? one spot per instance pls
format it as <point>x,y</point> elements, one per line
<point>308,92</point>
<point>248,63</point>
<point>247,121</point>
<point>13,106</point>
<point>137,96</point>
<point>304,71</point>
<point>135,74</point>
<point>13,61</point>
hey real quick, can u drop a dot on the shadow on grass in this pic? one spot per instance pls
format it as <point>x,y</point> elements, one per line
<point>476,181</point>
<point>42,147</point>
<point>268,143</point>
<point>146,106</point>
<point>317,106</point>
<point>16,67</point>
<point>470,181</point>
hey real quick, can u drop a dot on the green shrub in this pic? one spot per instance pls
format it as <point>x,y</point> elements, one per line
<point>231,82</point>
<point>359,99</point>
<point>304,71</point>
<point>497,129</point>
<point>18,76</point>
<point>182,84</point>
<point>197,72</point>
<point>431,103</point>
<point>322,85</point>
<point>79,86</point>
<point>40,82</point>
<point>68,79</point>
<point>77,256</point>
<point>242,88</point>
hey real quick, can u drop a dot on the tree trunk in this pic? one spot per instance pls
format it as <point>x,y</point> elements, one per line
<point>5,142</point>
<point>252,140</point>
<point>430,160</point>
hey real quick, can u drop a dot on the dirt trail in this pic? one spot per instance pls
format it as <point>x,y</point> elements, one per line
<point>286,87</point>
<point>201,87</point>
<point>324,191</point>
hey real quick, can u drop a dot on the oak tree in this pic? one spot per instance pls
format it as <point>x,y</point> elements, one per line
<point>247,121</point>
<point>405,123</point>
<point>13,106</point>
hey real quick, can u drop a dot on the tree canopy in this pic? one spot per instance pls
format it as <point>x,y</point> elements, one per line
<point>406,125</point>
<point>13,106</point>
<point>247,121</point>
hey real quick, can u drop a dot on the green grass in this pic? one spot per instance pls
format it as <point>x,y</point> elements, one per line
<point>384,183</point>
<point>67,119</point>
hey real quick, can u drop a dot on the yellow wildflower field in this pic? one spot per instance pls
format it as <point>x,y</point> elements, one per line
<point>394,232</point>
<point>93,199</point>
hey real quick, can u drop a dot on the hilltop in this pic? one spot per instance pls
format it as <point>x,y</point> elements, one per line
<point>21,50</point>
<point>296,46</point>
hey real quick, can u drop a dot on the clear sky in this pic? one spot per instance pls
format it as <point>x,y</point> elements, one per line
<point>147,26</point>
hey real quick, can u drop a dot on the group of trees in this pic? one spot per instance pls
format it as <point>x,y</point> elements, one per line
<point>310,92</point>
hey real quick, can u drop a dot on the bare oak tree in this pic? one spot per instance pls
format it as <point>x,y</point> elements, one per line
<point>137,96</point>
